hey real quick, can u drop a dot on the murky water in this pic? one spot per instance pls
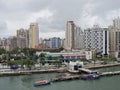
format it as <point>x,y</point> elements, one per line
<point>26,83</point>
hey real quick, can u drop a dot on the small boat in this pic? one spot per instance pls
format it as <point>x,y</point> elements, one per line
<point>41,83</point>
<point>90,76</point>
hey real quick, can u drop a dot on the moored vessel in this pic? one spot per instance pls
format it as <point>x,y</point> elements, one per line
<point>41,82</point>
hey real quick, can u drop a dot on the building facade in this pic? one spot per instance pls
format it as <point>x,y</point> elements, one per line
<point>21,38</point>
<point>115,38</point>
<point>46,43</point>
<point>55,42</point>
<point>97,39</point>
<point>78,38</point>
<point>74,36</point>
<point>33,35</point>
<point>116,23</point>
<point>70,27</point>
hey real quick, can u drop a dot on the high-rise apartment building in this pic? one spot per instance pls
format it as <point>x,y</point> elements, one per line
<point>78,38</point>
<point>33,35</point>
<point>116,23</point>
<point>97,39</point>
<point>21,38</point>
<point>12,42</point>
<point>27,38</point>
<point>46,43</point>
<point>55,42</point>
<point>70,27</point>
<point>115,38</point>
<point>74,36</point>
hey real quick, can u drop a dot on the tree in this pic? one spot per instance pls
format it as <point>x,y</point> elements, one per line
<point>94,59</point>
<point>15,50</point>
<point>49,57</point>
<point>2,51</point>
<point>42,58</point>
<point>11,63</point>
<point>28,63</point>
<point>83,59</point>
<point>113,59</point>
<point>42,55</point>
<point>61,57</point>
<point>105,59</point>
<point>58,63</point>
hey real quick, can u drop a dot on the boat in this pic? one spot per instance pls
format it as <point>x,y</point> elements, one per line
<point>41,83</point>
<point>90,76</point>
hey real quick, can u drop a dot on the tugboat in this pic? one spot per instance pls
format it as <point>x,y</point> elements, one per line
<point>90,76</point>
<point>41,83</point>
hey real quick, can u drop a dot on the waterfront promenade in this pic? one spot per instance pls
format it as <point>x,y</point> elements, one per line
<point>63,69</point>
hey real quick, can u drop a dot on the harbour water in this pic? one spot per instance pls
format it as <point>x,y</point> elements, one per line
<point>26,83</point>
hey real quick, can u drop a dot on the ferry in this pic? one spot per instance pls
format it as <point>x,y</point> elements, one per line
<point>41,83</point>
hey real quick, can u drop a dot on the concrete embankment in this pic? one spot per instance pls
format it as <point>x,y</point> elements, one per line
<point>110,73</point>
<point>29,72</point>
<point>103,66</point>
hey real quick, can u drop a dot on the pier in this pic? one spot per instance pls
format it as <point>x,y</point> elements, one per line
<point>110,73</point>
<point>66,78</point>
<point>85,70</point>
<point>76,77</point>
<point>103,66</point>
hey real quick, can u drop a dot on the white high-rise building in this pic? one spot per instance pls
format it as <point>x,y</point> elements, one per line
<point>33,35</point>
<point>97,39</point>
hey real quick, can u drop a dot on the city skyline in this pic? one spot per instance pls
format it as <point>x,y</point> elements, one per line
<point>52,17</point>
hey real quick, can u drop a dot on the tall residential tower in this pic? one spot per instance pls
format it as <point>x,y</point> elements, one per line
<point>70,27</point>
<point>74,36</point>
<point>115,38</point>
<point>33,35</point>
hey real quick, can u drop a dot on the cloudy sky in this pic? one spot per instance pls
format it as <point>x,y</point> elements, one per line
<point>52,15</point>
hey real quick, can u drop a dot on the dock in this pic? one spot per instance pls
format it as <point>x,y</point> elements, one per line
<point>103,66</point>
<point>78,76</point>
<point>66,78</point>
<point>110,73</point>
<point>85,70</point>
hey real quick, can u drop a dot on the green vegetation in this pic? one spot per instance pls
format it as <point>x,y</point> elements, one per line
<point>11,63</point>
<point>83,59</point>
<point>42,58</point>
<point>58,63</point>
<point>2,51</point>
<point>28,63</point>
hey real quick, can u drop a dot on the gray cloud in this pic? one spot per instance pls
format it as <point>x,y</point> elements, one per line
<point>52,15</point>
